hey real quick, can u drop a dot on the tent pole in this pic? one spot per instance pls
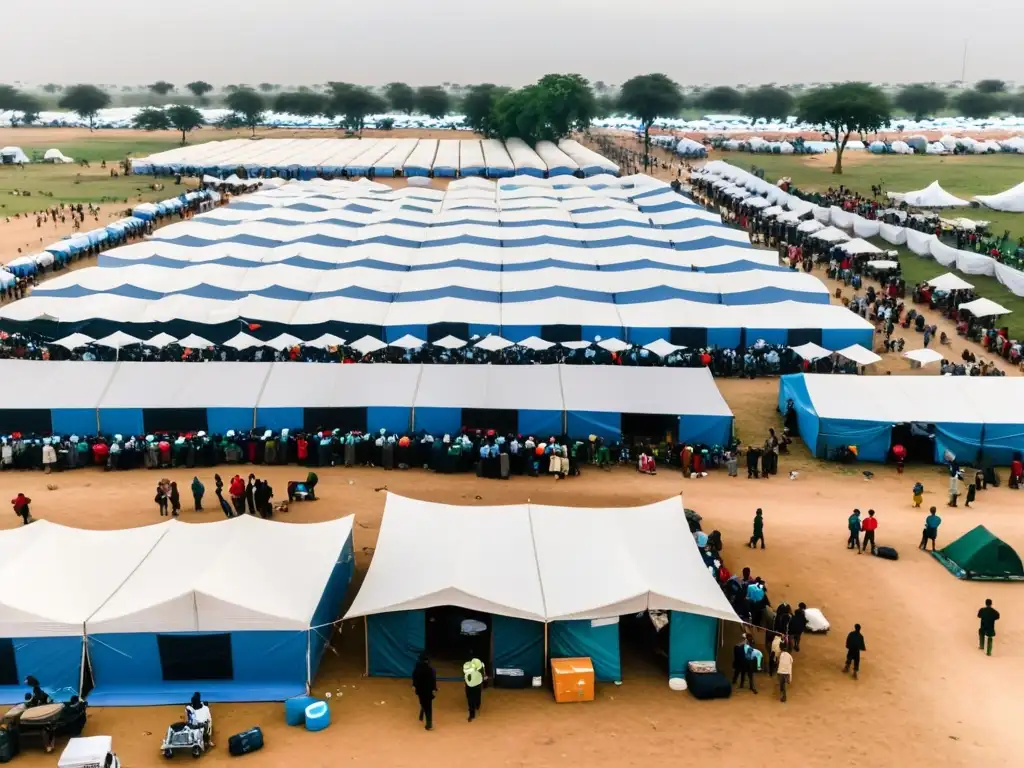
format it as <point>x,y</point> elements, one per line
<point>309,664</point>
<point>366,642</point>
<point>81,671</point>
<point>544,671</point>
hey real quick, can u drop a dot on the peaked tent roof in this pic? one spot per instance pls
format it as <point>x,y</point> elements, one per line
<point>1010,201</point>
<point>933,196</point>
<point>980,554</point>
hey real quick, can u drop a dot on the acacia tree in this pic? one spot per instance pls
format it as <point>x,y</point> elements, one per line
<point>478,107</point>
<point>52,87</point>
<point>305,103</point>
<point>990,86</point>
<point>843,109</point>
<point>978,104</point>
<point>184,118</point>
<point>15,101</point>
<point>568,104</point>
<point>920,100</point>
<point>199,89</point>
<point>433,101</point>
<point>85,100</point>
<point>648,97</point>
<point>768,102</point>
<point>161,87</point>
<point>248,106</point>
<point>355,103</point>
<point>151,119</point>
<point>721,98</point>
<point>401,97</point>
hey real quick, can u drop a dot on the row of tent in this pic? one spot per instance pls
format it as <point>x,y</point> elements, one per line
<point>979,419</point>
<point>555,587</point>
<point>445,158</point>
<point>240,609</point>
<point>132,398</point>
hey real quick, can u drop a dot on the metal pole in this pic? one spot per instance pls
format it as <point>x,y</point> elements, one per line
<point>366,642</point>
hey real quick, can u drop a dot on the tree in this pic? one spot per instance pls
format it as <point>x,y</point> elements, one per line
<point>478,107</point>
<point>921,100</point>
<point>85,101</point>
<point>307,104</point>
<point>248,106</point>
<point>199,89</point>
<point>977,104</point>
<point>13,100</point>
<point>268,87</point>
<point>433,101</point>
<point>519,114</point>
<point>648,97</point>
<point>385,124</point>
<point>52,87</point>
<point>568,104</point>
<point>161,87</point>
<point>1015,103</point>
<point>184,118</point>
<point>768,102</point>
<point>990,86</point>
<point>151,119</point>
<point>355,103</point>
<point>401,97</point>
<point>605,106</point>
<point>844,109</point>
<point>721,98</point>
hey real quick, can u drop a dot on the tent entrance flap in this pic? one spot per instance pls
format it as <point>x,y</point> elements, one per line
<point>8,663</point>
<point>38,421</point>
<point>649,427</point>
<point>503,421</point>
<point>919,440</point>
<point>345,419</point>
<point>643,646</point>
<point>453,636</point>
<point>160,420</point>
<point>196,657</point>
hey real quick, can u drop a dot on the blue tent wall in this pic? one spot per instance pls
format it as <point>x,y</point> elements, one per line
<point>394,642</point>
<point>438,421</point>
<point>518,644</point>
<point>1001,441</point>
<point>567,639</point>
<point>267,666</point>
<point>690,638</point>
<point>963,440</point>
<point>580,424</point>
<point>794,387</point>
<point>73,421</point>
<point>121,421</point>
<point>329,608</point>
<point>540,423</point>
<point>280,418</point>
<point>710,430</point>
<point>393,418</point>
<point>56,661</point>
<point>220,420</point>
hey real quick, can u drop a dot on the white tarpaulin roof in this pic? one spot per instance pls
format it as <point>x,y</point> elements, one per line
<point>173,385</point>
<point>340,386</point>
<point>1011,201</point>
<point>858,354</point>
<point>985,308</point>
<point>521,387</point>
<point>923,356</point>
<point>53,384</point>
<point>215,577</point>
<point>857,245</point>
<point>622,560</point>
<point>811,351</point>
<point>634,389</point>
<point>949,282</point>
<point>831,235</point>
<point>932,196</point>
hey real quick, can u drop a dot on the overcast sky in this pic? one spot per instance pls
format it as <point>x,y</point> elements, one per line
<point>129,42</point>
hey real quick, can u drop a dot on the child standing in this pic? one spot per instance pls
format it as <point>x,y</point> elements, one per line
<point>918,494</point>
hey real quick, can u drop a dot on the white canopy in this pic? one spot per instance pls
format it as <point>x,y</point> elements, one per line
<point>493,343</point>
<point>923,356</point>
<point>613,345</point>
<point>884,264</point>
<point>367,344</point>
<point>324,341</point>
<point>242,341</point>
<point>932,196</point>
<point>831,235</point>
<point>662,348</point>
<point>74,341</point>
<point>811,351</point>
<point>811,225</point>
<point>757,202</point>
<point>284,341</point>
<point>118,339</point>
<point>161,340</point>
<point>949,282</point>
<point>408,342</point>
<point>225,576</point>
<point>858,354</point>
<point>985,308</point>
<point>622,560</point>
<point>1011,201</point>
<point>858,245</point>
<point>536,343</point>
<point>193,340</point>
<point>450,342</point>
<point>582,344</point>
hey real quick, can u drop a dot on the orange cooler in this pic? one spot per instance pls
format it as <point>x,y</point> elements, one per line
<point>573,679</point>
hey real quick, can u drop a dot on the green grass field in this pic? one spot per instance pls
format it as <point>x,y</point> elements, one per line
<point>111,146</point>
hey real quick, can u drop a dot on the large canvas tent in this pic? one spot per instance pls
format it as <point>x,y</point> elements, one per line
<point>979,554</point>
<point>51,397</point>
<point>978,419</point>
<point>240,609</point>
<point>556,580</point>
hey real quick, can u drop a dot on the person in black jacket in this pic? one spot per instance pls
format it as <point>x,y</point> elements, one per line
<point>739,661</point>
<point>797,625</point>
<point>854,648</point>
<point>424,682</point>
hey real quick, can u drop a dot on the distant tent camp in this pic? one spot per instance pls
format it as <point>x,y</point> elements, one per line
<point>979,554</point>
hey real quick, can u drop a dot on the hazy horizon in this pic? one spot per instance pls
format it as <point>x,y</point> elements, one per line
<point>456,41</point>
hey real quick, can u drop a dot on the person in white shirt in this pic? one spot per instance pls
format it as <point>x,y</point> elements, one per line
<point>785,670</point>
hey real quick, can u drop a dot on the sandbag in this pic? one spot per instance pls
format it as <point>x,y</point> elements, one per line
<point>887,553</point>
<point>816,621</point>
<point>246,742</point>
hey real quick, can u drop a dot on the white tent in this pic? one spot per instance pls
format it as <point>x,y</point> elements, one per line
<point>536,343</point>
<point>985,308</point>
<point>831,235</point>
<point>858,245</point>
<point>118,339</point>
<point>242,341</point>
<point>367,344</point>
<point>812,225</point>
<point>74,341</point>
<point>161,340</point>
<point>56,156</point>
<point>324,341</point>
<point>284,341</point>
<point>450,342</point>
<point>932,196</point>
<point>613,345</point>
<point>13,155</point>
<point>493,343</point>
<point>623,560</point>
<point>662,348</point>
<point>811,351</point>
<point>923,356</point>
<point>883,265</point>
<point>408,342</point>
<point>858,354</point>
<point>949,282</point>
<point>194,340</point>
<point>1010,201</point>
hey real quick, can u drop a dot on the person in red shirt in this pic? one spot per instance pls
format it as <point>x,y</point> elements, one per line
<point>869,526</point>
<point>900,454</point>
<point>20,504</point>
<point>302,449</point>
<point>1016,472</point>
<point>237,491</point>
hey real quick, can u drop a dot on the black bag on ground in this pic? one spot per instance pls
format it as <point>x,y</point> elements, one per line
<point>246,742</point>
<point>887,553</point>
<point>710,685</point>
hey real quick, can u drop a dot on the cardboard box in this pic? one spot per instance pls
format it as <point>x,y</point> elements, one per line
<point>572,679</point>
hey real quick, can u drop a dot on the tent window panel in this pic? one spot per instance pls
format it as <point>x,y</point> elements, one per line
<point>502,420</point>
<point>801,336</point>
<point>8,664</point>
<point>345,419</point>
<point>689,337</point>
<point>438,331</point>
<point>160,420</point>
<point>28,420</point>
<point>650,426</point>
<point>559,333</point>
<point>196,657</point>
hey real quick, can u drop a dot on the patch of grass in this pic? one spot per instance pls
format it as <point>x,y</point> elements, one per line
<point>98,147</point>
<point>50,184</point>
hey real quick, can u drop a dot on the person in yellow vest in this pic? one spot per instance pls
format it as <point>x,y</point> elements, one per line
<point>474,673</point>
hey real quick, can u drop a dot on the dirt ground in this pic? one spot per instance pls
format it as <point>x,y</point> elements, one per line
<point>926,696</point>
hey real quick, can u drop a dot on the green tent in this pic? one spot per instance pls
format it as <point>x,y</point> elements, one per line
<point>979,554</point>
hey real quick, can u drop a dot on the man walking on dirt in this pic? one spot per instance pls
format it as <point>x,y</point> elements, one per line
<point>853,523</point>
<point>854,647</point>
<point>758,534</point>
<point>988,617</point>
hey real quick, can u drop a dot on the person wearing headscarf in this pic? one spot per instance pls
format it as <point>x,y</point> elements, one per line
<point>175,500</point>
<point>197,493</point>
<point>424,683</point>
<point>250,494</point>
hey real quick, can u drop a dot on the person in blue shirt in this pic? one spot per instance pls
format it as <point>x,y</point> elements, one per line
<point>931,529</point>
<point>753,657</point>
<point>853,523</point>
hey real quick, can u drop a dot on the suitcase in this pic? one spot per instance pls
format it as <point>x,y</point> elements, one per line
<point>246,742</point>
<point>388,456</point>
<point>887,553</point>
<point>505,466</point>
